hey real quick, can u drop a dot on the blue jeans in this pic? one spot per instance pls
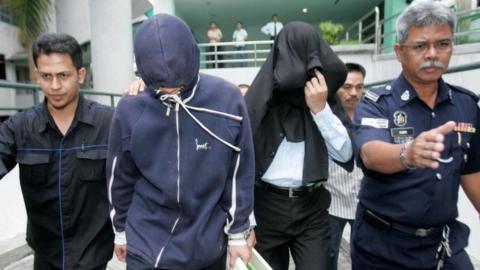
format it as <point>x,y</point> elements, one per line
<point>239,55</point>
<point>337,225</point>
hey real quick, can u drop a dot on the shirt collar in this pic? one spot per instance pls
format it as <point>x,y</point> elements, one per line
<point>82,114</point>
<point>405,92</point>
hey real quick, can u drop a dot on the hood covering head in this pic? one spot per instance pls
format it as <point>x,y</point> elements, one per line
<point>166,53</point>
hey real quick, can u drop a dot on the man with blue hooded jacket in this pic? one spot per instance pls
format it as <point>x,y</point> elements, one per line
<point>180,161</point>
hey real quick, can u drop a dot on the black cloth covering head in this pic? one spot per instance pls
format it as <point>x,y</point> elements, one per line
<point>276,100</point>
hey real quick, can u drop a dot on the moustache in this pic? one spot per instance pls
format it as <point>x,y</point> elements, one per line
<point>352,99</point>
<point>430,64</point>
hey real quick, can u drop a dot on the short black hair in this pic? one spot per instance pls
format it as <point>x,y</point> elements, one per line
<point>58,43</point>
<point>352,67</point>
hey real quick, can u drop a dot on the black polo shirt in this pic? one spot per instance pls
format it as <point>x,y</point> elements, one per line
<point>63,182</point>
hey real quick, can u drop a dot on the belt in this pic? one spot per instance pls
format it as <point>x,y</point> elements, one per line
<point>385,224</point>
<point>289,192</point>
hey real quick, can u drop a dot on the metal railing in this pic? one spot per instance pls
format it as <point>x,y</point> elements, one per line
<point>370,29</point>
<point>459,68</point>
<point>37,94</point>
<point>468,26</point>
<point>365,29</point>
<point>226,54</point>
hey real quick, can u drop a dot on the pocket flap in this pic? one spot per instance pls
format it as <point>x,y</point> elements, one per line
<point>33,158</point>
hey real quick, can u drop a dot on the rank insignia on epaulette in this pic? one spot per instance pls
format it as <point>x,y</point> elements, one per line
<point>372,96</point>
<point>465,127</point>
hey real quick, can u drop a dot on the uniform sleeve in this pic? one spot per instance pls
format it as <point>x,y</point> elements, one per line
<point>370,124</point>
<point>473,163</point>
<point>7,146</point>
<point>239,189</point>
<point>122,174</point>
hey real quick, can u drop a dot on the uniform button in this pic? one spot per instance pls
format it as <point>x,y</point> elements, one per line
<point>272,154</point>
<point>468,145</point>
<point>388,87</point>
<point>281,135</point>
<point>433,115</point>
<point>439,176</point>
<point>465,157</point>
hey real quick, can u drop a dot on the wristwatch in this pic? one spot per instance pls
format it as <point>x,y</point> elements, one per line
<point>403,159</point>
<point>240,236</point>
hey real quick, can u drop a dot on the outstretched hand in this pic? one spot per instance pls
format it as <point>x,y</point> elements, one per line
<point>426,149</point>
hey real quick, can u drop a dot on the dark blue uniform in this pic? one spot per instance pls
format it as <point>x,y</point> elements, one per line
<point>401,216</point>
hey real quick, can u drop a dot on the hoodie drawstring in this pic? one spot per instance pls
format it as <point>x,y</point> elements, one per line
<point>178,101</point>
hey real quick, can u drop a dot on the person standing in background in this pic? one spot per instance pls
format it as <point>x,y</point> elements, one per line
<point>343,185</point>
<point>214,36</point>
<point>272,28</point>
<point>240,35</point>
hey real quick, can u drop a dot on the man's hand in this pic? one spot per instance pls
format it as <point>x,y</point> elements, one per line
<point>121,252</point>
<point>243,252</point>
<point>426,149</point>
<point>316,92</point>
<point>135,87</point>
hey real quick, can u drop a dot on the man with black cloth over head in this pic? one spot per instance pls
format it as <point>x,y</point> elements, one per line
<point>294,133</point>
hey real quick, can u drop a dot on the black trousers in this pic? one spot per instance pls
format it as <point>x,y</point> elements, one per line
<point>41,264</point>
<point>299,225</point>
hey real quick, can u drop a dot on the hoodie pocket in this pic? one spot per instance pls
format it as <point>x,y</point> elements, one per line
<point>34,167</point>
<point>92,165</point>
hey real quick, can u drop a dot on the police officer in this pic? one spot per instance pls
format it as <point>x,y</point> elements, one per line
<point>418,139</point>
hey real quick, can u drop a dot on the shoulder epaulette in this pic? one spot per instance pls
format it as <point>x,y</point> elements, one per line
<point>465,91</point>
<point>374,94</point>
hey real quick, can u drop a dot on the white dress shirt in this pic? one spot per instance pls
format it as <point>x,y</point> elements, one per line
<point>269,28</point>
<point>286,169</point>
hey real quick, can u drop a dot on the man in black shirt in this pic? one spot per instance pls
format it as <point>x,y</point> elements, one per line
<point>60,146</point>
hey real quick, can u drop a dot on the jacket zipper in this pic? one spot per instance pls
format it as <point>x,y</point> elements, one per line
<point>178,185</point>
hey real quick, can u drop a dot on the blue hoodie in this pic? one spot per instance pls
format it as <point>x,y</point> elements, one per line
<point>180,167</point>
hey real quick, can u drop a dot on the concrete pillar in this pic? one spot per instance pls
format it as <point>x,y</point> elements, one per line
<point>111,44</point>
<point>392,8</point>
<point>164,6</point>
<point>72,17</point>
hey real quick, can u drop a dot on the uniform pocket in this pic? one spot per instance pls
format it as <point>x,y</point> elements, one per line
<point>34,167</point>
<point>92,165</point>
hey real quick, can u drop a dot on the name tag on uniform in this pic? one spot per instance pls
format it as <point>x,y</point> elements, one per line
<point>402,135</point>
<point>375,122</point>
